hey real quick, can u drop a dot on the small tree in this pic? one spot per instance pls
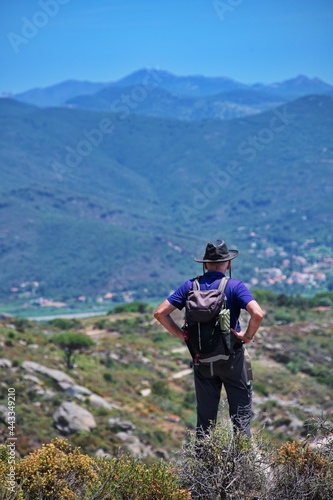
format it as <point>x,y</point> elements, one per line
<point>72,343</point>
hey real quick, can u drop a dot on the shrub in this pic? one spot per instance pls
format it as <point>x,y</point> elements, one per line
<point>136,307</point>
<point>126,477</point>
<point>220,465</point>
<point>159,337</point>
<point>108,377</point>
<point>301,472</point>
<point>21,324</point>
<point>11,334</point>
<point>160,388</point>
<point>294,366</point>
<point>56,471</point>
<point>64,323</point>
<point>283,317</point>
<point>102,324</point>
<point>323,299</point>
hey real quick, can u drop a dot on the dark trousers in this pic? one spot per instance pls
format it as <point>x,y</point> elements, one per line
<point>233,374</point>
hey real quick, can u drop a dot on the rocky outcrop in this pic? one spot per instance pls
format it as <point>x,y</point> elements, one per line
<point>63,380</point>
<point>4,414</point>
<point>71,418</point>
<point>98,402</point>
<point>116,424</point>
<point>5,363</point>
<point>133,445</point>
<point>67,384</point>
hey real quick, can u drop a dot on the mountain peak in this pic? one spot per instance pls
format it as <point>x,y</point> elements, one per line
<point>299,86</point>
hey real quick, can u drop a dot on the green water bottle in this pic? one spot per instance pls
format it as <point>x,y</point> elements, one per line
<point>224,317</point>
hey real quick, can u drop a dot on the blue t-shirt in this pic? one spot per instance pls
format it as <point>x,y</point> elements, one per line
<point>237,294</point>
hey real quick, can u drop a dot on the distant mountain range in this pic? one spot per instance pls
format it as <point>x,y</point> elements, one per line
<point>162,103</point>
<point>160,93</point>
<point>94,201</point>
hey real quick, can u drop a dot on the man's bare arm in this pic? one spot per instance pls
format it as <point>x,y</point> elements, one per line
<point>162,314</point>
<point>256,316</point>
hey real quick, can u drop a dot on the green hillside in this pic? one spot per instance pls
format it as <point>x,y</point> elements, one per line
<point>92,202</point>
<point>135,379</point>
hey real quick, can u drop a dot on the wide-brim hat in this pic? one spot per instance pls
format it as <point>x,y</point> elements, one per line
<point>217,252</point>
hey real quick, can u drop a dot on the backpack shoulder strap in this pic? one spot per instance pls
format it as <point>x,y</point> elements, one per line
<point>223,283</point>
<point>196,284</point>
<point>221,288</point>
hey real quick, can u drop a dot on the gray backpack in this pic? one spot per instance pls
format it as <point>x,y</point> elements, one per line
<point>205,313</point>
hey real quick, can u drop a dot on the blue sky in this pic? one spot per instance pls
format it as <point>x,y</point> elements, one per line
<point>44,42</point>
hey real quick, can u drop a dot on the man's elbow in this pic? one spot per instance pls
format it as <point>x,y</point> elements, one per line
<point>259,315</point>
<point>256,313</point>
<point>157,314</point>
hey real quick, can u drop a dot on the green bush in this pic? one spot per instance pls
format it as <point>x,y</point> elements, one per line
<point>160,388</point>
<point>64,323</point>
<point>102,324</point>
<point>295,366</point>
<point>132,307</point>
<point>323,299</point>
<point>283,317</point>
<point>159,337</point>
<point>190,400</point>
<point>128,478</point>
<point>21,324</point>
<point>108,377</point>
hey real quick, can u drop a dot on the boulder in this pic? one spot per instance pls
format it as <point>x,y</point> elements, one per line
<point>116,424</point>
<point>5,363</point>
<point>70,418</point>
<point>133,445</point>
<point>78,391</point>
<point>62,379</point>
<point>162,454</point>
<point>4,414</point>
<point>145,392</point>
<point>100,453</point>
<point>99,402</point>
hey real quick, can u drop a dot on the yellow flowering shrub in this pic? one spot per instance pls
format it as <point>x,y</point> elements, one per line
<point>301,456</point>
<point>56,471</point>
